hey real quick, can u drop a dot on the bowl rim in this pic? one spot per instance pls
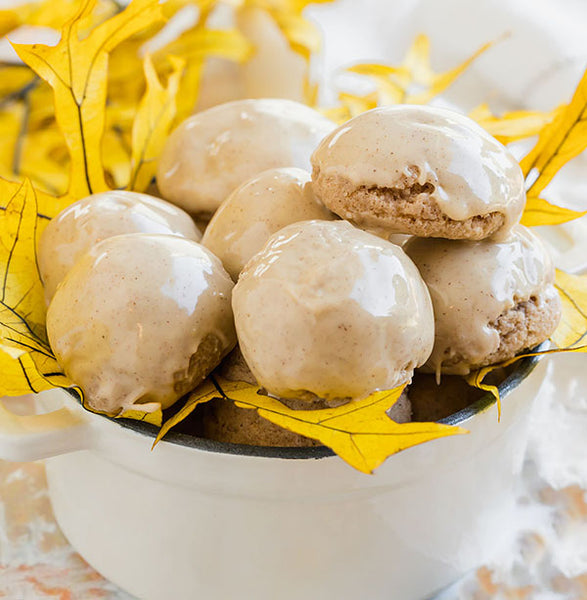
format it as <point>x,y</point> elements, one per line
<point>522,371</point>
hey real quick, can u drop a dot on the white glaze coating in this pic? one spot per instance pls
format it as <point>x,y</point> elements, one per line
<point>333,310</point>
<point>472,173</point>
<point>256,210</point>
<point>472,283</point>
<point>213,152</point>
<point>129,317</point>
<point>90,220</point>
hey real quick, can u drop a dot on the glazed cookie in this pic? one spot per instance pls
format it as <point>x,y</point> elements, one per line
<point>419,170</point>
<point>328,310</point>
<point>141,319</point>
<point>491,299</point>
<point>213,152</point>
<point>93,219</point>
<point>256,210</point>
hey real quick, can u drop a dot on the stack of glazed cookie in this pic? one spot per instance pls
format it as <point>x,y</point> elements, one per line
<point>326,309</point>
<point>439,177</point>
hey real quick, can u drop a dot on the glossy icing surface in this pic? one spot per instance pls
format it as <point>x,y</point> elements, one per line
<point>95,218</point>
<point>256,210</point>
<point>215,151</point>
<point>333,310</point>
<point>140,318</point>
<point>472,173</point>
<point>472,283</point>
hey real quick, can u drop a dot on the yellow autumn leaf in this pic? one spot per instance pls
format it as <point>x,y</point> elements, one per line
<point>42,113</point>
<point>27,362</point>
<point>301,34</point>
<point>338,114</point>
<point>30,366</point>
<point>48,13</point>
<point>360,432</point>
<point>152,415</point>
<point>116,152</point>
<point>198,43</point>
<point>540,212</point>
<point>22,306</point>
<point>15,82</point>
<point>12,121</point>
<point>436,84</point>
<point>514,125</point>
<point>125,82</point>
<point>391,82</point>
<point>9,20</point>
<point>358,104</point>
<point>47,205</point>
<point>152,123</point>
<point>413,81</point>
<point>76,68</point>
<point>44,161</point>
<point>572,330</point>
<point>205,392</point>
<point>417,60</point>
<point>559,142</point>
<point>21,376</point>
<point>350,106</point>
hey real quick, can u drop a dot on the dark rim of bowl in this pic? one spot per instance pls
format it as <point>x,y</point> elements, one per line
<point>523,369</point>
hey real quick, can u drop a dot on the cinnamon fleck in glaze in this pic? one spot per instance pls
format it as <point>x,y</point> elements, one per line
<point>329,309</point>
<point>141,319</point>
<point>472,284</point>
<point>422,150</point>
<point>93,219</point>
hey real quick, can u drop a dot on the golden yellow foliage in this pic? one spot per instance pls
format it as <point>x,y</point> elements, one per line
<point>301,34</point>
<point>11,125</point>
<point>22,306</point>
<point>15,81</point>
<point>413,81</point>
<point>351,105</point>
<point>360,432</point>
<point>76,69</point>
<point>205,392</point>
<point>33,367</point>
<point>30,365</point>
<point>541,212</point>
<point>48,13</point>
<point>572,330</point>
<point>514,125</point>
<point>558,142</point>
<point>152,123</point>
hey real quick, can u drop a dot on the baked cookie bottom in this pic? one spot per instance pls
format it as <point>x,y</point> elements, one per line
<point>409,209</point>
<point>529,323</point>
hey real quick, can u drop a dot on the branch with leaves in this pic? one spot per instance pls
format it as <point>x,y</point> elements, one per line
<point>92,105</point>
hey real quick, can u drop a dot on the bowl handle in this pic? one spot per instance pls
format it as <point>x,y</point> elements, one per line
<point>34,437</point>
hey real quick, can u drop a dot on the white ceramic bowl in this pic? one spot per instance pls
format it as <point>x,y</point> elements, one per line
<point>202,519</point>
